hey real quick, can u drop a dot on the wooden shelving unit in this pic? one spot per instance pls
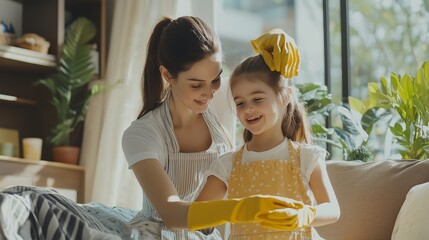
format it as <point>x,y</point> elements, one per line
<point>32,113</point>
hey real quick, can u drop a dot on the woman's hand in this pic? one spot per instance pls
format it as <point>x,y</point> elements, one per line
<point>279,51</point>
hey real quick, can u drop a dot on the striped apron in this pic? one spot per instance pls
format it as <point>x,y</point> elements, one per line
<point>187,172</point>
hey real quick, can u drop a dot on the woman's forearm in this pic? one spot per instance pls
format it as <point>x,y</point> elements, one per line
<point>214,189</point>
<point>177,219</point>
<point>161,192</point>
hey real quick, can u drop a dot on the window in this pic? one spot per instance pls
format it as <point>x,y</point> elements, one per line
<point>383,37</point>
<point>365,40</point>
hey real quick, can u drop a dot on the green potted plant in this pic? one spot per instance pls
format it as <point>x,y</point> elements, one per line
<point>69,87</point>
<point>361,153</point>
<point>404,102</point>
<point>346,135</point>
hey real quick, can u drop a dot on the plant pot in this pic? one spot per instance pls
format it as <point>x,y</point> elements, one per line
<point>66,154</point>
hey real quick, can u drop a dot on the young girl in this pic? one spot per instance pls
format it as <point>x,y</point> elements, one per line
<point>276,158</point>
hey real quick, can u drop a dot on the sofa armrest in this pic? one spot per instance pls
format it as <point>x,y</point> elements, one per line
<point>370,196</point>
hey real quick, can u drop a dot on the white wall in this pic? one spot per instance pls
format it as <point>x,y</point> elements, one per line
<point>309,38</point>
<point>11,12</point>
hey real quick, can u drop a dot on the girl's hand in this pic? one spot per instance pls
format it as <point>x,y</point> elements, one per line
<point>290,219</point>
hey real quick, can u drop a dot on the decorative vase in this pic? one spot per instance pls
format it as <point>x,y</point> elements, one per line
<point>66,154</point>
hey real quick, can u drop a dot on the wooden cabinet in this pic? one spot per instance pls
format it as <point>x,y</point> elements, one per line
<point>31,113</point>
<point>67,179</point>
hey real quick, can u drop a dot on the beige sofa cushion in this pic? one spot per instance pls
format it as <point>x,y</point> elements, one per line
<point>370,196</point>
<point>413,218</point>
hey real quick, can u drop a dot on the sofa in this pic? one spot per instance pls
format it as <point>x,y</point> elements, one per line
<point>371,195</point>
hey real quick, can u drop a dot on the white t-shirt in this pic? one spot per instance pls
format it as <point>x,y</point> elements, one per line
<point>310,156</point>
<point>143,139</point>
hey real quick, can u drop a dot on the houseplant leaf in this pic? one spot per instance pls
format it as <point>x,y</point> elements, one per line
<point>70,94</point>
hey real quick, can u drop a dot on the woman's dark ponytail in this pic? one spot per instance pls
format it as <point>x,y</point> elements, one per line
<point>153,85</point>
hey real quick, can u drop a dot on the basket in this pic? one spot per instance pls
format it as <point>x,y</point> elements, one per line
<point>34,42</point>
<point>37,48</point>
<point>7,38</point>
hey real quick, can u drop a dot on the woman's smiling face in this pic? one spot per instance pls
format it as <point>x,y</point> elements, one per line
<point>195,87</point>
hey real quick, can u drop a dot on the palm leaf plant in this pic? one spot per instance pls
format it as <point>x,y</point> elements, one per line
<point>69,85</point>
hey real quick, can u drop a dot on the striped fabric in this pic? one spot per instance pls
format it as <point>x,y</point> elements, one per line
<point>37,213</point>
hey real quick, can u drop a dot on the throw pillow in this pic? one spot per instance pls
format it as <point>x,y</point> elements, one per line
<point>413,217</point>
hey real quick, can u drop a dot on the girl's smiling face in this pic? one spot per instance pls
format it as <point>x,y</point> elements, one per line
<point>259,108</point>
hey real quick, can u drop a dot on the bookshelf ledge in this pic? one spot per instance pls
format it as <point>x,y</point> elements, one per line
<point>15,58</point>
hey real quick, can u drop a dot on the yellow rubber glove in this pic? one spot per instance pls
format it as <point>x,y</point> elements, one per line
<point>242,210</point>
<point>289,219</point>
<point>279,51</point>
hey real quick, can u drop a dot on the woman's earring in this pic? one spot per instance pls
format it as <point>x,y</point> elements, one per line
<point>167,85</point>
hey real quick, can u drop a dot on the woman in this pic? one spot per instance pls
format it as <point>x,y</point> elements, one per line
<point>176,136</point>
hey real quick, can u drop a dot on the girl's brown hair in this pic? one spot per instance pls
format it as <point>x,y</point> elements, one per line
<point>175,44</point>
<point>294,123</point>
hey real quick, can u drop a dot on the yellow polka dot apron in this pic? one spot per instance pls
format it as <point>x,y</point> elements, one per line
<point>273,177</point>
